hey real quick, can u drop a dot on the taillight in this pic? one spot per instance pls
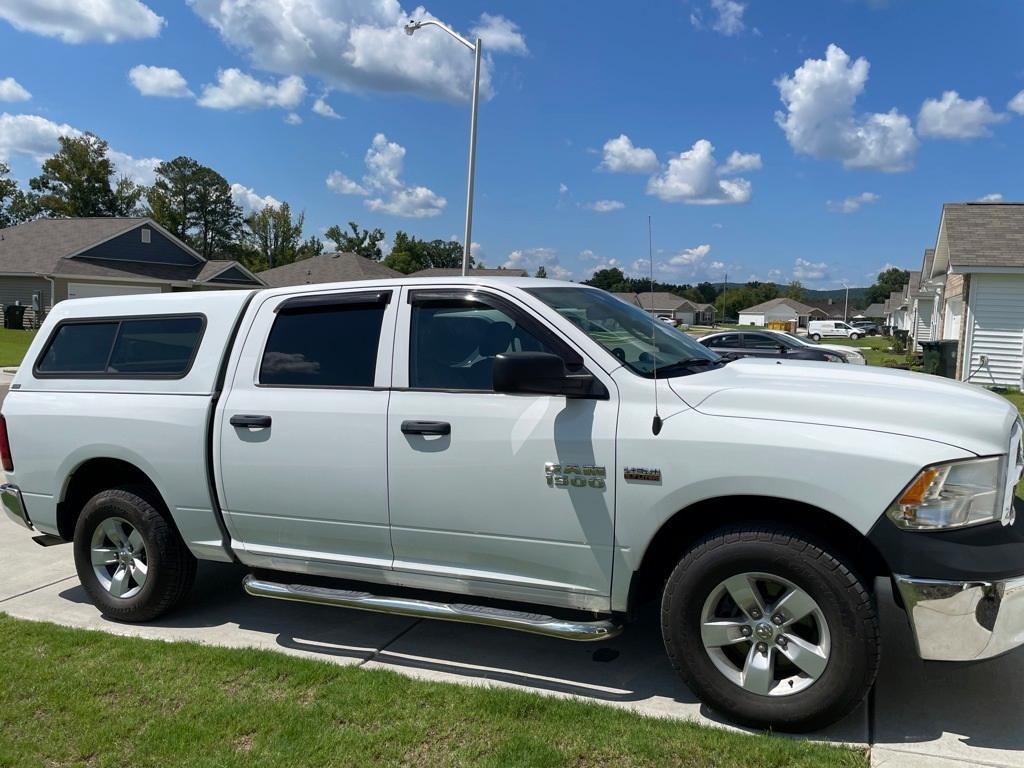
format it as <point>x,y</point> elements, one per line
<point>5,447</point>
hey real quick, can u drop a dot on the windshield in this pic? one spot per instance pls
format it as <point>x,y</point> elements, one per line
<point>640,341</point>
<point>798,339</point>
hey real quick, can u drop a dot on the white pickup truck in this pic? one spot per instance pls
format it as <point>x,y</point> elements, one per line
<point>527,454</point>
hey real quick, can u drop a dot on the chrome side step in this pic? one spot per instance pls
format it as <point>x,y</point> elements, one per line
<point>536,623</point>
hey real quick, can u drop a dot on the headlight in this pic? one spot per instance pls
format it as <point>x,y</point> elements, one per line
<point>952,495</point>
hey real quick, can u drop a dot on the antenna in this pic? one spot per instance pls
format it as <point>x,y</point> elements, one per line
<point>656,424</point>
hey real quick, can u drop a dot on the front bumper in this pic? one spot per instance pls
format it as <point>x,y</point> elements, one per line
<point>964,620</point>
<point>14,504</point>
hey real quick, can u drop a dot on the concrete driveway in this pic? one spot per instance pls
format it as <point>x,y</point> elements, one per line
<point>918,714</point>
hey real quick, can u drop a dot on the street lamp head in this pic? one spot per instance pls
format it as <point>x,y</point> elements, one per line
<point>411,27</point>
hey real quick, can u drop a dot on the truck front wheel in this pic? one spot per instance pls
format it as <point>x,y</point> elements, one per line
<point>130,559</point>
<point>770,629</point>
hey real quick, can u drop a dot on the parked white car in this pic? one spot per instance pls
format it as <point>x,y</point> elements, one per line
<point>818,329</point>
<point>849,354</point>
<point>527,454</point>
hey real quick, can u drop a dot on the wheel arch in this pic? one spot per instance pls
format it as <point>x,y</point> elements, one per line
<point>98,474</point>
<point>683,529</point>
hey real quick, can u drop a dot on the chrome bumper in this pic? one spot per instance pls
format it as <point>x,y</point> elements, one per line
<point>14,505</point>
<point>964,621</point>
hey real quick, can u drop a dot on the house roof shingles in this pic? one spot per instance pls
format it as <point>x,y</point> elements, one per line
<point>984,234</point>
<point>797,306</point>
<point>327,268</point>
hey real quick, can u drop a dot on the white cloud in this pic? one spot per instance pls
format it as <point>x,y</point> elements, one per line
<point>343,185</point>
<point>739,162</point>
<point>952,117</point>
<point>807,270</point>
<point>236,90</point>
<point>83,21</point>
<point>531,258</point>
<point>690,256</point>
<point>12,90</point>
<point>357,45</point>
<point>293,118</point>
<point>384,161</point>
<point>693,177</point>
<point>31,136</point>
<point>324,109</point>
<point>251,202</point>
<point>852,203</point>
<point>820,121</point>
<point>563,188</point>
<point>716,267</point>
<point>604,206</point>
<point>36,137</point>
<point>499,34</point>
<point>1016,104</point>
<point>729,17</point>
<point>993,197</point>
<point>159,81</point>
<point>620,156</point>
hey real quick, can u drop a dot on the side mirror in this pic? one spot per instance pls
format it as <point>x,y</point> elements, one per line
<point>539,373</point>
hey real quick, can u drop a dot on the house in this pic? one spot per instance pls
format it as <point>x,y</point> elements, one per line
<point>781,310</point>
<point>874,311</point>
<point>664,304</point>
<point>628,297</point>
<point>474,272</point>
<point>977,274</point>
<point>327,268</point>
<point>896,315</point>
<point>46,261</point>
<point>922,293</point>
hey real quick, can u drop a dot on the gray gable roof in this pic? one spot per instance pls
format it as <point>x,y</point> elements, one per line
<point>627,296</point>
<point>39,246</point>
<point>797,306</point>
<point>327,268</point>
<point>653,301</point>
<point>984,234</point>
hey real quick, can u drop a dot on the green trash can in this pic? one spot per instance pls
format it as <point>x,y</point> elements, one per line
<point>932,358</point>
<point>948,349</point>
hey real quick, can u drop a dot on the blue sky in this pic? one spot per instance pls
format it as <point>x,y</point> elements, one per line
<point>838,128</point>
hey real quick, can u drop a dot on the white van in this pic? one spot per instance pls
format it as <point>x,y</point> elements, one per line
<point>817,329</point>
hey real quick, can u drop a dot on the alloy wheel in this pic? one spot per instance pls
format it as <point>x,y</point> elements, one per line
<point>119,557</point>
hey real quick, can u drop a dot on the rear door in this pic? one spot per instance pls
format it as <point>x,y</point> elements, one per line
<point>302,452</point>
<point>760,345</point>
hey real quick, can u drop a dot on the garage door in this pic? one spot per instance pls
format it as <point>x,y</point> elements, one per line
<point>92,290</point>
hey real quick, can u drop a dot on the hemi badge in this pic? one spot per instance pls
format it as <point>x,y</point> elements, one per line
<point>642,473</point>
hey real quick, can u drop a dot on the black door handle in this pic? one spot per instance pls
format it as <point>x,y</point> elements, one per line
<point>250,420</point>
<point>426,428</point>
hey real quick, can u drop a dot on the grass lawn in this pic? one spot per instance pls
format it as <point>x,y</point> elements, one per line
<point>874,348</point>
<point>74,697</point>
<point>13,345</point>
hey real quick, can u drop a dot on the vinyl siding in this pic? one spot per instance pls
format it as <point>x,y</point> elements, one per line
<point>995,329</point>
<point>923,331</point>
<point>20,289</point>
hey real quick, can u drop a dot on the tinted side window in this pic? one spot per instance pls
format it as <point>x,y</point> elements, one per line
<point>729,340</point>
<point>151,346</point>
<point>156,346</point>
<point>79,348</point>
<point>453,345</point>
<point>328,346</point>
<point>759,341</point>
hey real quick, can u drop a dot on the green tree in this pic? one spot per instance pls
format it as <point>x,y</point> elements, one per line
<point>611,279</point>
<point>892,279</point>
<point>541,272</point>
<point>410,254</point>
<point>79,181</point>
<point>194,202</point>
<point>15,205</point>
<point>732,301</point>
<point>795,290</point>
<point>365,242</point>
<point>272,237</point>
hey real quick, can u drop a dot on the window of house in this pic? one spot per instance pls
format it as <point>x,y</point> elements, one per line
<point>325,345</point>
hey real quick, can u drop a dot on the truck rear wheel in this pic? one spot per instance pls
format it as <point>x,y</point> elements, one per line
<point>130,559</point>
<point>770,629</point>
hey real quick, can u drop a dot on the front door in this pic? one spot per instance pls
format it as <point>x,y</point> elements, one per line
<point>302,434</point>
<point>506,495</point>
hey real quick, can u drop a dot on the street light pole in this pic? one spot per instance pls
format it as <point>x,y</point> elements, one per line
<point>477,49</point>
<point>846,307</point>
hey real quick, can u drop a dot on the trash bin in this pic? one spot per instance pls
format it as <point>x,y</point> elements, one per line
<point>932,358</point>
<point>947,355</point>
<point>14,317</point>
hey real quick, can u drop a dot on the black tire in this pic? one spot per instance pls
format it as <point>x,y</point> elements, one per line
<point>844,602</point>
<point>815,337</point>
<point>171,567</point>
<point>855,336</point>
